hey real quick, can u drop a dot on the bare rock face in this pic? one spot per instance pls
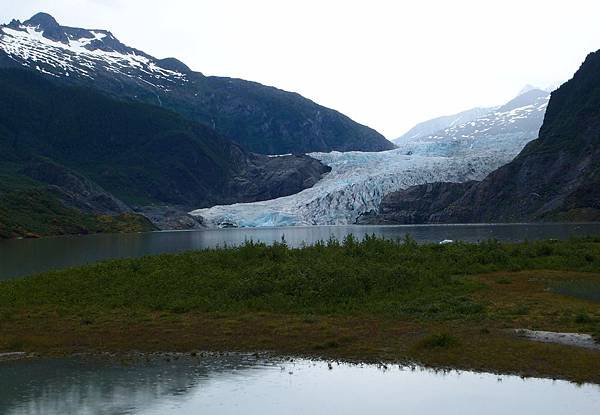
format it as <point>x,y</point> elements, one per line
<point>170,217</point>
<point>74,190</point>
<point>556,177</point>
<point>265,178</point>
<point>417,204</point>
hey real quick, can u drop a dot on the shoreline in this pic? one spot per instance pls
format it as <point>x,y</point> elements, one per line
<point>357,225</point>
<point>473,348</point>
<point>135,357</point>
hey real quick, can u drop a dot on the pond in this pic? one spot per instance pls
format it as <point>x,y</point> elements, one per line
<point>28,256</point>
<point>246,384</point>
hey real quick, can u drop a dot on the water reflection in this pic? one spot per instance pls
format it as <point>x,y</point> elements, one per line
<point>24,257</point>
<point>93,386</point>
<point>242,384</point>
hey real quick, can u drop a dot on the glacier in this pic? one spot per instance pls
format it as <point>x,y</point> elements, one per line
<point>355,186</point>
<point>359,180</point>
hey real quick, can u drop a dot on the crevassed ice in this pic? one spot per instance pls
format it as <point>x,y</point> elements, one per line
<point>356,184</point>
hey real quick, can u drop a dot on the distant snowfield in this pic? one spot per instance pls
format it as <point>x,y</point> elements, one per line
<point>358,181</point>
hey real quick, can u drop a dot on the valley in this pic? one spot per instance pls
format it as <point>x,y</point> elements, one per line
<point>358,181</point>
<point>175,239</point>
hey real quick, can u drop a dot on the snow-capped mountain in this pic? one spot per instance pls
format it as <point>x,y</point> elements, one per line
<point>42,44</point>
<point>509,126</point>
<point>358,181</point>
<point>428,127</point>
<point>262,119</point>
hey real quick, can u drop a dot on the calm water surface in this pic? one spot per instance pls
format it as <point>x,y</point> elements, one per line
<point>24,257</point>
<point>246,385</point>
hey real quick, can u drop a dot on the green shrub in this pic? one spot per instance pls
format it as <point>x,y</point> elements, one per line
<point>583,318</point>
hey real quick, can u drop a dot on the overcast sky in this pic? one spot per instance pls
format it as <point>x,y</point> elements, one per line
<point>387,64</point>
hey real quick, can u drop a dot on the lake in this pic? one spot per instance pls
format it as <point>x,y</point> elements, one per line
<point>27,256</point>
<point>244,384</point>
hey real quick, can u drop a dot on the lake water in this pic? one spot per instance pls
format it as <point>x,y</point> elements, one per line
<point>28,256</point>
<point>239,384</point>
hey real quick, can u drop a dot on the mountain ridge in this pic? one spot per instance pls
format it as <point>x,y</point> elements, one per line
<point>434,126</point>
<point>439,123</point>
<point>260,118</point>
<point>98,155</point>
<point>509,126</point>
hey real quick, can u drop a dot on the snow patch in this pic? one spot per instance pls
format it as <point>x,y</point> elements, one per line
<point>29,44</point>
